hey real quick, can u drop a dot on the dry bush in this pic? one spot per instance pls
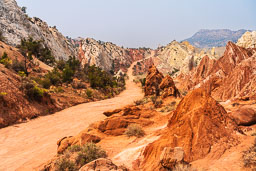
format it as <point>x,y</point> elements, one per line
<point>135,130</point>
<point>249,157</point>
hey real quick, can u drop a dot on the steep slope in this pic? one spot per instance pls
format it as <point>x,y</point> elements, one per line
<point>214,38</point>
<point>198,123</point>
<point>176,58</point>
<point>38,137</point>
<point>16,25</point>
<point>248,40</point>
<point>228,77</point>
<point>108,56</point>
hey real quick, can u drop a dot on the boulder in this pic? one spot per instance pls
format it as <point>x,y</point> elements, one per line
<point>102,164</point>
<point>112,112</point>
<point>170,157</point>
<point>168,87</point>
<point>153,80</point>
<point>244,116</point>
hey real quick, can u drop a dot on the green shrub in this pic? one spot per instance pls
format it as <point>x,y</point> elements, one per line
<point>99,78</point>
<point>67,74</point>
<point>18,66</point>
<point>74,148</point>
<point>90,152</point>
<point>134,130</point>
<point>5,60</point>
<point>89,93</point>
<point>33,91</point>
<point>64,164</point>
<point>46,83</point>
<point>36,48</point>
<point>55,77</point>
<point>60,64</point>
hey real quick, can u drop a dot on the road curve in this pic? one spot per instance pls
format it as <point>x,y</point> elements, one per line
<point>27,145</point>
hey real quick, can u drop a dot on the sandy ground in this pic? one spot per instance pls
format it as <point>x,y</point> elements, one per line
<point>25,146</point>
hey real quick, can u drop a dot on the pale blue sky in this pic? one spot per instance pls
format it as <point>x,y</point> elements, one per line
<point>139,23</point>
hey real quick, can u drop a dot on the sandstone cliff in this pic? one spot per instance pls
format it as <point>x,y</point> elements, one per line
<point>231,76</point>
<point>248,40</point>
<point>15,25</point>
<point>108,56</point>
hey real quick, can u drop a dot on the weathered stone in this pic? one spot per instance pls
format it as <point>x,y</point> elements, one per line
<point>102,164</point>
<point>16,25</point>
<point>171,156</point>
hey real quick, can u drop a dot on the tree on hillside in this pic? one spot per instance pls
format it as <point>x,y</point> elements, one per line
<point>24,9</point>
<point>1,36</point>
<point>35,48</point>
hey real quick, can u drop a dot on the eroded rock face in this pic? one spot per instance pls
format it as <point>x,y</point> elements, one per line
<point>16,25</point>
<point>171,157</point>
<point>197,124</point>
<point>245,116</point>
<point>106,55</point>
<point>168,87</point>
<point>231,76</point>
<point>153,80</point>
<point>248,40</point>
<point>181,57</point>
<point>102,164</point>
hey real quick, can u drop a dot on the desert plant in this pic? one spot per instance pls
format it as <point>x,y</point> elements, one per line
<point>64,164</point>
<point>46,83</point>
<point>169,107</point>
<point>135,130</point>
<point>153,99</point>
<point>158,103</point>
<point>74,148</point>
<point>32,91</point>
<point>249,156</point>
<point>18,66</point>
<point>138,102</point>
<point>5,60</point>
<point>89,93</point>
<point>90,152</point>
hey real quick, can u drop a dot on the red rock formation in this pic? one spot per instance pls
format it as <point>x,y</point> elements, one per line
<point>245,115</point>
<point>197,124</point>
<point>142,66</point>
<point>153,80</point>
<point>229,77</point>
<point>168,87</point>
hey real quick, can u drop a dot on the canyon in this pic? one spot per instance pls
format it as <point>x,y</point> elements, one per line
<point>189,105</point>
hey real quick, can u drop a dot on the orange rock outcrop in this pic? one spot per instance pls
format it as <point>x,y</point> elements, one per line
<point>197,124</point>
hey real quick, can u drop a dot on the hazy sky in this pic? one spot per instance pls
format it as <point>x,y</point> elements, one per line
<point>142,23</point>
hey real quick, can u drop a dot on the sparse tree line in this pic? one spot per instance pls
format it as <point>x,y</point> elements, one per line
<point>63,73</point>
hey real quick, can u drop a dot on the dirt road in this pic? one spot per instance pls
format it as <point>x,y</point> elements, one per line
<point>25,146</point>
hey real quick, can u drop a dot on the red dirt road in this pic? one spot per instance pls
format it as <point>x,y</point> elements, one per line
<point>25,146</point>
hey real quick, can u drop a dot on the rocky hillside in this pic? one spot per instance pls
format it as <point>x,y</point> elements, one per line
<point>108,56</point>
<point>16,25</point>
<point>176,58</point>
<point>248,40</point>
<point>231,76</point>
<point>214,38</point>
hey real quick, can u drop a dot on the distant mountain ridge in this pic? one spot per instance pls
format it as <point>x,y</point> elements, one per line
<point>206,38</point>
